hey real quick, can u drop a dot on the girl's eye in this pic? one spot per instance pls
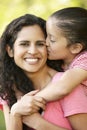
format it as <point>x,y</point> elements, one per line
<point>52,41</point>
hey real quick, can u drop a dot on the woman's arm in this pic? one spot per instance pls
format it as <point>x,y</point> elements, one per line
<point>6,111</point>
<point>15,123</point>
<point>77,121</point>
<point>12,122</point>
<point>36,122</point>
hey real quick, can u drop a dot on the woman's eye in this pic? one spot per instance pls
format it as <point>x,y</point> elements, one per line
<point>41,44</point>
<point>24,44</point>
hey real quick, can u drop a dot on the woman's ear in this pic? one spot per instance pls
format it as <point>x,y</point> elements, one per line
<point>76,48</point>
<point>9,51</point>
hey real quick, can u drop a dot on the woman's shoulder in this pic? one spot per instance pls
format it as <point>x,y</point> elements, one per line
<point>57,76</point>
<point>2,102</point>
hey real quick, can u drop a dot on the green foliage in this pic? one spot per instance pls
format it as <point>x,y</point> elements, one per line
<point>2,122</point>
<point>10,9</point>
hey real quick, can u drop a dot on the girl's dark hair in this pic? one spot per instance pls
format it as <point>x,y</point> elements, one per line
<point>73,23</point>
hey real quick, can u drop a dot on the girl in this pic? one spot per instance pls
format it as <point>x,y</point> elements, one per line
<point>67,41</point>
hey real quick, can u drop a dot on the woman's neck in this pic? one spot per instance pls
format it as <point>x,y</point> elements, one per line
<point>42,78</point>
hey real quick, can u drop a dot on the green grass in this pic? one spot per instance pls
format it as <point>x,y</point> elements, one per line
<point>2,122</point>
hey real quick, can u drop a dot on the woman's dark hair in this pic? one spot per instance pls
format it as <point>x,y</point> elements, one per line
<point>73,23</point>
<point>11,75</point>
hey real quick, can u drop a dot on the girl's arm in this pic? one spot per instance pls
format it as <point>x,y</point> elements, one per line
<point>63,85</point>
<point>77,121</point>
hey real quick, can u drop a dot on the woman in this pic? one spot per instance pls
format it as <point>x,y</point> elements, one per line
<point>25,47</point>
<point>13,80</point>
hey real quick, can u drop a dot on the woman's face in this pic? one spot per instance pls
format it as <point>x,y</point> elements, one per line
<point>29,49</point>
<point>56,41</point>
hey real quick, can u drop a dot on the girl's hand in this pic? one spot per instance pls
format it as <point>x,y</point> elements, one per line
<point>28,104</point>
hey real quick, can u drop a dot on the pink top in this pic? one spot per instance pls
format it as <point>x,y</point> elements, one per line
<point>2,102</point>
<point>76,102</point>
<point>80,61</point>
<point>1,107</point>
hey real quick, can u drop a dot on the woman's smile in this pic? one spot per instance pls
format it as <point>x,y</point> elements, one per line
<point>32,61</point>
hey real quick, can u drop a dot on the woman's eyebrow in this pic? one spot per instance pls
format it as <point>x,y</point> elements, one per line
<point>24,41</point>
<point>41,41</point>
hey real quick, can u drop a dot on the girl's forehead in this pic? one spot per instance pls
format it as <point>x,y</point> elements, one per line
<point>52,19</point>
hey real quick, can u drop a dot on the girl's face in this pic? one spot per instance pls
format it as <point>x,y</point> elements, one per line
<point>29,49</point>
<point>56,42</point>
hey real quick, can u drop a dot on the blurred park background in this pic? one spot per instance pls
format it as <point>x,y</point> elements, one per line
<point>10,9</point>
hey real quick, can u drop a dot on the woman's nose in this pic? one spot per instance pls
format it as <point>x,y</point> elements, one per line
<point>32,50</point>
